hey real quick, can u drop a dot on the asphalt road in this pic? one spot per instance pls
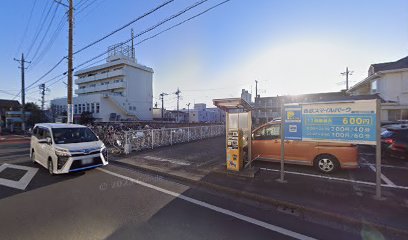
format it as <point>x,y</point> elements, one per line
<point>117,203</point>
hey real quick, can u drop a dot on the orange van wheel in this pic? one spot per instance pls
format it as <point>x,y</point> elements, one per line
<point>326,163</point>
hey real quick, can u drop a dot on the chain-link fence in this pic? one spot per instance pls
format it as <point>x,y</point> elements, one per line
<point>126,141</point>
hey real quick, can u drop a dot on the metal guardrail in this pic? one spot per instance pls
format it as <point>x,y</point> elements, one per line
<point>126,141</point>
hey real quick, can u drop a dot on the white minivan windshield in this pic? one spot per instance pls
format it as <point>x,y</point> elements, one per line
<point>73,135</point>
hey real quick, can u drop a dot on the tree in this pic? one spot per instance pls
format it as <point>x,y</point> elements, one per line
<point>86,118</point>
<point>36,115</point>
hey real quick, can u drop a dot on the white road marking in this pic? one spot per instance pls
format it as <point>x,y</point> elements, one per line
<point>386,166</point>
<point>383,177</point>
<point>336,178</point>
<point>174,161</point>
<point>24,180</point>
<point>214,208</point>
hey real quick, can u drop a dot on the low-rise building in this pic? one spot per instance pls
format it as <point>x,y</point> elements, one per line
<point>390,81</point>
<point>121,89</point>
<point>201,114</point>
<point>14,120</point>
<point>5,106</point>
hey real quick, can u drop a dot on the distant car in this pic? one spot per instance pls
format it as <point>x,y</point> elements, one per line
<point>327,157</point>
<point>394,141</point>
<point>63,148</point>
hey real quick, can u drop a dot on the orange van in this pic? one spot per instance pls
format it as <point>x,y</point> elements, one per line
<point>327,157</point>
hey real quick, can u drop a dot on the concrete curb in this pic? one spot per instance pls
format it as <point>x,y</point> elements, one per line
<point>337,218</point>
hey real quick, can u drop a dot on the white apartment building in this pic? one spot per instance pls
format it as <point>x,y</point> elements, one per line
<point>390,81</point>
<point>120,89</point>
<point>201,114</point>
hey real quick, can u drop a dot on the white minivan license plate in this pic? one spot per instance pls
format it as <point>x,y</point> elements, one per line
<point>87,161</point>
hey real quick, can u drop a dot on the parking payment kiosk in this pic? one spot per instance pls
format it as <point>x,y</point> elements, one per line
<point>238,124</point>
<point>234,150</point>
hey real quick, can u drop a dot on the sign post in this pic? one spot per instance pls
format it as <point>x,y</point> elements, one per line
<point>282,139</point>
<point>378,152</point>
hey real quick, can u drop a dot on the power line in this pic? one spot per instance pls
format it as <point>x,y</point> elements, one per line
<point>45,33</point>
<point>43,76</point>
<point>40,27</point>
<point>141,33</point>
<point>182,22</point>
<point>89,45</point>
<point>152,28</point>
<point>50,42</point>
<point>124,26</point>
<point>80,4</point>
<point>26,28</point>
<point>82,9</point>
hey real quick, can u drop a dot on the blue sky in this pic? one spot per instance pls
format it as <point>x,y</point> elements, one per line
<point>291,47</point>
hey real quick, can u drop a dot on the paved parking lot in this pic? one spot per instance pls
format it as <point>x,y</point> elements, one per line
<point>117,203</point>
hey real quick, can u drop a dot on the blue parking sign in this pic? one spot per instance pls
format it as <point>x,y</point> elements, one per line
<point>349,122</point>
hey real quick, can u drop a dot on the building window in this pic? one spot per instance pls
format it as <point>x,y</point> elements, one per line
<point>92,107</point>
<point>87,107</point>
<point>117,68</point>
<point>75,108</point>
<point>93,85</point>
<point>79,108</point>
<point>374,86</point>
<point>105,71</point>
<point>97,108</point>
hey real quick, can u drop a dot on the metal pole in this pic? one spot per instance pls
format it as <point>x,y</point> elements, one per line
<point>282,139</point>
<point>378,151</point>
<point>250,137</point>
<point>152,138</point>
<point>23,117</point>
<point>347,81</point>
<point>23,93</point>
<point>171,137</point>
<point>70,116</point>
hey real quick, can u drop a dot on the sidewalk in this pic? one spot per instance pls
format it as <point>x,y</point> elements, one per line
<point>330,202</point>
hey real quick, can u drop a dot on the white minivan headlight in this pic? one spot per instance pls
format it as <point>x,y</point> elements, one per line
<point>62,152</point>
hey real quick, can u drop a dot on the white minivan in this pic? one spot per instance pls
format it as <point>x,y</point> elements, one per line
<point>63,148</point>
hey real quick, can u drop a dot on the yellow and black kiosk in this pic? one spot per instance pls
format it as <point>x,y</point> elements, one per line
<point>238,131</point>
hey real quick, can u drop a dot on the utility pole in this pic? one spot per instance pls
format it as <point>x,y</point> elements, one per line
<point>22,61</point>
<point>162,100</point>
<point>178,99</point>
<point>256,88</point>
<point>188,112</point>
<point>133,46</point>
<point>347,73</point>
<point>42,89</point>
<point>70,114</point>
